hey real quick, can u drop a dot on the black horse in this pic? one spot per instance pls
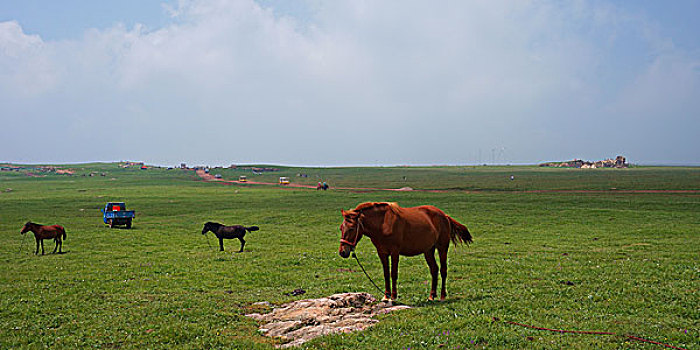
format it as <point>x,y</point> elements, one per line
<point>228,232</point>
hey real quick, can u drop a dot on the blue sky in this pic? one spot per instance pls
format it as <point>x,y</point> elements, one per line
<point>350,82</point>
<point>69,19</point>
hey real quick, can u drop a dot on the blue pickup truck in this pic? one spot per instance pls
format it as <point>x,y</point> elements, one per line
<point>115,213</point>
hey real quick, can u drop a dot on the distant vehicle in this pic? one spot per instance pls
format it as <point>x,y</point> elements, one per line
<point>143,167</point>
<point>284,180</point>
<point>242,178</point>
<point>218,176</point>
<point>115,213</point>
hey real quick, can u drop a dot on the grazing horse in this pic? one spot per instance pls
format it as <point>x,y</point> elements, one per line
<point>42,232</point>
<point>228,232</point>
<point>398,231</point>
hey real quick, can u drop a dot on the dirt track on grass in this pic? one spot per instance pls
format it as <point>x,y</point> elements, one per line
<point>208,177</point>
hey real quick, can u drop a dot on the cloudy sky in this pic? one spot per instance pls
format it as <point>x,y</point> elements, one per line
<point>349,82</point>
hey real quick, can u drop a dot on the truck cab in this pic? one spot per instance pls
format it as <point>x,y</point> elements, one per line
<point>115,206</point>
<point>115,213</point>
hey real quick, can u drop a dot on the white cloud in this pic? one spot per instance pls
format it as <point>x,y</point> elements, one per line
<point>26,68</point>
<point>13,42</point>
<point>356,82</point>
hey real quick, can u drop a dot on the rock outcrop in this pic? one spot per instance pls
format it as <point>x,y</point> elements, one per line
<point>300,321</point>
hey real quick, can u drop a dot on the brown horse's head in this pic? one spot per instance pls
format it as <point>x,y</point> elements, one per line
<point>27,227</point>
<point>349,232</point>
<point>210,226</point>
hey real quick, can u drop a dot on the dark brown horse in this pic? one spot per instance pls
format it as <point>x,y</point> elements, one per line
<point>228,232</point>
<point>398,231</point>
<point>42,232</point>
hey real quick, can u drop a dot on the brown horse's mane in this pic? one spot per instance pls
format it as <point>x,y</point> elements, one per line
<point>362,206</point>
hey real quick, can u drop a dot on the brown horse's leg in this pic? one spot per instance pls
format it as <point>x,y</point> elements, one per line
<point>242,244</point>
<point>58,242</point>
<point>42,246</point>
<point>443,271</point>
<point>387,287</point>
<point>37,247</point>
<point>394,275</point>
<point>432,264</point>
<point>221,244</point>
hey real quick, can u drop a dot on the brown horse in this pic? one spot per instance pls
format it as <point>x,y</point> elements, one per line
<point>398,231</point>
<point>42,232</point>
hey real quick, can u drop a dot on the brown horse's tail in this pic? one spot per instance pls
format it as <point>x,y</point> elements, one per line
<point>458,232</point>
<point>64,232</point>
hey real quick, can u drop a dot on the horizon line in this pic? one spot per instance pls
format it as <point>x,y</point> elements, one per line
<point>356,165</point>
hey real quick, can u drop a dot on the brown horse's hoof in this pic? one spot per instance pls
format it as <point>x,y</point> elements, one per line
<point>431,298</point>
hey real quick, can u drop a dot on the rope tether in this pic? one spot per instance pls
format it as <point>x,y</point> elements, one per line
<point>21,245</point>
<point>496,319</point>
<point>366,274</point>
<point>208,243</point>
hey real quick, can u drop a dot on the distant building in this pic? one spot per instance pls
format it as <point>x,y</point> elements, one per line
<point>618,162</point>
<point>127,164</point>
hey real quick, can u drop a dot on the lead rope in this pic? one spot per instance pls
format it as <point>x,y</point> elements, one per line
<point>359,225</point>
<point>208,241</point>
<point>21,246</point>
<point>366,274</point>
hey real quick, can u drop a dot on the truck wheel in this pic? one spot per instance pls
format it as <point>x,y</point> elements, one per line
<point>128,224</point>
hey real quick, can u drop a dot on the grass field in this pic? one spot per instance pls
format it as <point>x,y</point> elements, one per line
<point>605,260</point>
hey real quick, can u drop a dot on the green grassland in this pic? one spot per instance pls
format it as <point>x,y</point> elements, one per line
<point>526,178</point>
<point>608,260</point>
